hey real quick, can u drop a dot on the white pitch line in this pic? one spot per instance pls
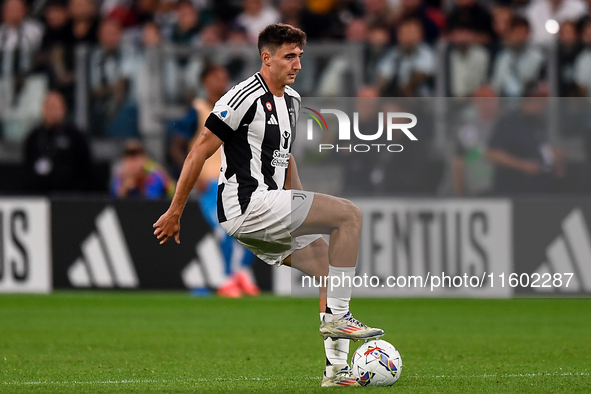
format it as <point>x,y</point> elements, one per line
<point>135,381</point>
<point>255,379</point>
<point>509,375</point>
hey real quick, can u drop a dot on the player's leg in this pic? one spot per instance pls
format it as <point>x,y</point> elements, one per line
<point>339,218</point>
<point>342,220</point>
<point>313,261</point>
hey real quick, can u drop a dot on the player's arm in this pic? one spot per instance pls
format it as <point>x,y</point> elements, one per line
<point>168,225</point>
<point>292,179</point>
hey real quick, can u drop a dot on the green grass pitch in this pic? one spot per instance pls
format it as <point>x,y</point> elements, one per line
<point>98,342</point>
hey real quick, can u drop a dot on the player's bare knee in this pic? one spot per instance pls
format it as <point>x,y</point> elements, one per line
<point>354,215</point>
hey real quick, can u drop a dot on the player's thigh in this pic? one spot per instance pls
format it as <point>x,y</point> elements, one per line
<point>328,213</point>
<point>311,260</point>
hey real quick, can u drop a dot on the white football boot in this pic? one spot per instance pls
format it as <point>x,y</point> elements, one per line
<point>347,327</point>
<point>342,377</point>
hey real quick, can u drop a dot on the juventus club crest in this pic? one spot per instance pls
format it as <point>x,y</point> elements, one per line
<point>286,136</point>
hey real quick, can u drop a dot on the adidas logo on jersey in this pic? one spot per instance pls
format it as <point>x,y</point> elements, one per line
<point>105,261</point>
<point>272,120</point>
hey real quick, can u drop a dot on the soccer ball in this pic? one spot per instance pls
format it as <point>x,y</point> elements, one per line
<point>376,363</point>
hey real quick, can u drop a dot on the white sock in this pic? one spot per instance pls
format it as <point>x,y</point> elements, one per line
<point>337,351</point>
<point>338,297</point>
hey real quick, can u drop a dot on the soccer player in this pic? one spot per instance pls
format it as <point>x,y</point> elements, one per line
<point>260,198</point>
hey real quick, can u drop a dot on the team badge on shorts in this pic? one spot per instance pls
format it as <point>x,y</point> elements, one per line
<point>296,195</point>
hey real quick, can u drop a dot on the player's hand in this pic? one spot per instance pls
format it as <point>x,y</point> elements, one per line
<point>168,226</point>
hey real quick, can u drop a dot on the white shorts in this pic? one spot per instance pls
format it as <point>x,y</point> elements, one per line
<point>270,219</point>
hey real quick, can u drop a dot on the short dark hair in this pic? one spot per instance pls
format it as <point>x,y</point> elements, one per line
<point>274,36</point>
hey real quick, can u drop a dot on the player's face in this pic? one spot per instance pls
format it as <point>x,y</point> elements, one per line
<point>285,63</point>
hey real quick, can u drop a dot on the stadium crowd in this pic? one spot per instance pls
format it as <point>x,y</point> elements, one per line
<point>486,49</point>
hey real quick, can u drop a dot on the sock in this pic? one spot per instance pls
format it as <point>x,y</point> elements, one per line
<point>337,351</point>
<point>338,297</point>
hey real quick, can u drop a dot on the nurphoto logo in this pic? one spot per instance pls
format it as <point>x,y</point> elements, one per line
<point>344,130</point>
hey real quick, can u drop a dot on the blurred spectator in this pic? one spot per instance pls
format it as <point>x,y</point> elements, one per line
<point>543,14</point>
<point>144,10</point>
<point>139,176</point>
<point>20,39</point>
<point>151,36</point>
<point>237,258</point>
<point>295,13</point>
<point>107,6</point>
<point>181,72</point>
<point>472,173</point>
<point>373,41</point>
<point>468,61</point>
<point>51,57</point>
<point>57,157</point>
<point>501,23</point>
<point>56,17</point>
<point>524,160</point>
<point>291,12</point>
<point>85,21</point>
<point>470,12</point>
<point>188,26</point>
<point>183,132</point>
<point>377,41</point>
<point>412,170</point>
<point>568,50</point>
<point>212,35</point>
<point>432,19</point>
<point>582,66</point>
<point>519,64</point>
<point>256,16</point>
<point>356,31</point>
<point>407,69</point>
<point>364,173</point>
<point>150,90</point>
<point>235,64</point>
<point>333,77</point>
<point>215,81</point>
<point>60,42</point>
<point>379,13</point>
<point>130,13</point>
<point>112,72</point>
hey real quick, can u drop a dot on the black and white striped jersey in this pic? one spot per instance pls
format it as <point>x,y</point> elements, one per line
<point>257,129</point>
